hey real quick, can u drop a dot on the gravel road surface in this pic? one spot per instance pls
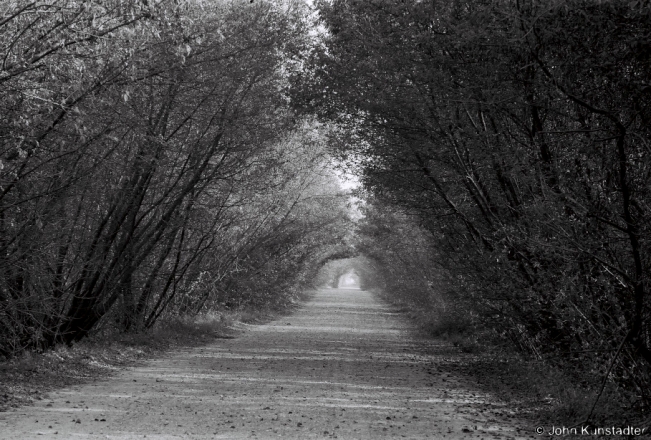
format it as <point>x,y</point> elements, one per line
<point>345,365</point>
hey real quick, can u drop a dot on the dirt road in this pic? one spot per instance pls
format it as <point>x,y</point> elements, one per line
<point>343,366</point>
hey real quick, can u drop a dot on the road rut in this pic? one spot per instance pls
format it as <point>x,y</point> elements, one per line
<point>345,365</point>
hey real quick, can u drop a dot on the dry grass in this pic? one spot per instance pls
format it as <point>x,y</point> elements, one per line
<point>538,392</point>
<point>546,396</point>
<point>542,392</point>
<point>30,376</point>
<point>252,316</point>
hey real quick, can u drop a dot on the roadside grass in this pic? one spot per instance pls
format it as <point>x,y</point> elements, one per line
<point>537,392</point>
<point>253,316</point>
<point>543,395</point>
<point>30,375</point>
<point>260,315</point>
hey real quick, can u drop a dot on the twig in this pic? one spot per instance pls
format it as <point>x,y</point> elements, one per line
<point>610,368</point>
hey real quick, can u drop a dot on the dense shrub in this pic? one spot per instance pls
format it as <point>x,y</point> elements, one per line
<point>516,134</point>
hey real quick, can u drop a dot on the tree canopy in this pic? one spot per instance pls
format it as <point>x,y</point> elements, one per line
<point>151,164</point>
<point>516,134</point>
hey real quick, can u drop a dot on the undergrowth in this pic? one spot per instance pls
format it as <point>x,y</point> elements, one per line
<point>31,375</point>
<point>538,391</point>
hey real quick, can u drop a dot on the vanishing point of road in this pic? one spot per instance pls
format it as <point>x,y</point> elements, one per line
<point>345,365</point>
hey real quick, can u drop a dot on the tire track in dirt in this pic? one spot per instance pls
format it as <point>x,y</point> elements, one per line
<point>344,366</point>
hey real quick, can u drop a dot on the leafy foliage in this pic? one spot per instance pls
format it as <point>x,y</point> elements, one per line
<point>150,164</point>
<point>517,133</point>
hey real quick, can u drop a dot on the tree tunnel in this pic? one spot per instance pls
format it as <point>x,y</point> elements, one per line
<point>349,280</point>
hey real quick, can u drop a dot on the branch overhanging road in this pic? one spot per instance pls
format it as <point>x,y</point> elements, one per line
<point>343,366</point>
